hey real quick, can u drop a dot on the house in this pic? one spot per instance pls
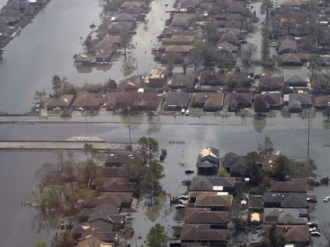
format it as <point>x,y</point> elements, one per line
<point>212,184</point>
<point>285,200</point>
<point>202,233</point>
<point>115,172</point>
<point>105,49</point>
<point>115,184</point>
<point>227,47</point>
<point>188,6</point>
<point>285,216</point>
<point>218,219</point>
<point>235,164</point>
<point>231,37</point>
<point>124,18</point>
<point>273,101</point>
<point>133,100</point>
<point>238,101</point>
<point>178,40</point>
<point>105,212</point>
<point>182,20</point>
<point>298,102</point>
<point>256,203</point>
<point>295,80</point>
<point>87,101</point>
<point>176,58</point>
<point>117,158</point>
<point>236,7</point>
<point>267,162</point>
<point>117,28</point>
<point>287,46</point>
<point>63,102</point>
<point>156,78</point>
<point>209,78</point>
<point>321,102</point>
<point>294,234</point>
<point>130,4</point>
<point>134,11</point>
<point>170,31</point>
<point>290,59</point>
<point>180,81</point>
<point>270,83</point>
<point>117,199</point>
<point>208,159</point>
<point>79,228</point>
<point>95,241</point>
<point>106,237</point>
<point>209,101</point>
<point>213,200</point>
<point>82,59</point>
<point>175,101</point>
<point>298,185</point>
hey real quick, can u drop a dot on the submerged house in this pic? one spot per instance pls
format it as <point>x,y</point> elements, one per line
<point>208,160</point>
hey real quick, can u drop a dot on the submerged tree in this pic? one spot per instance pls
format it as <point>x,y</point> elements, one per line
<point>248,52</point>
<point>282,168</point>
<point>40,96</point>
<point>267,146</point>
<point>259,105</point>
<point>149,147</point>
<point>326,113</point>
<point>266,7</point>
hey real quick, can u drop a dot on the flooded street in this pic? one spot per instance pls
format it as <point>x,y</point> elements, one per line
<point>227,136</point>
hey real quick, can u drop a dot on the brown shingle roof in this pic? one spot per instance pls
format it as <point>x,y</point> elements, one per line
<point>209,199</point>
<point>203,232</point>
<point>293,185</point>
<point>205,215</point>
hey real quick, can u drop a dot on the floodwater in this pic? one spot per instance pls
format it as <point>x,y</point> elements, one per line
<point>227,136</point>
<point>49,43</point>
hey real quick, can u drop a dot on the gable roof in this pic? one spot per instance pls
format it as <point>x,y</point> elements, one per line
<point>211,199</point>
<point>123,157</point>
<point>236,99</point>
<point>204,215</point>
<point>202,232</point>
<point>95,242</point>
<point>85,98</point>
<point>293,78</point>
<point>114,198</point>
<point>271,99</point>
<point>225,46</point>
<point>181,80</point>
<point>295,233</point>
<point>211,184</point>
<point>209,99</point>
<point>322,101</point>
<point>180,99</point>
<point>288,45</point>
<point>117,185</point>
<point>234,162</point>
<point>266,82</point>
<point>291,216</point>
<point>300,99</point>
<point>293,185</point>
<point>63,101</point>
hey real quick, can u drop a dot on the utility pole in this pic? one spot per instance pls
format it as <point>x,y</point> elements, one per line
<point>129,127</point>
<point>308,130</point>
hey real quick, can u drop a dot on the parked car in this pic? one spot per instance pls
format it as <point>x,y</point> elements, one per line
<point>311,199</point>
<point>187,112</point>
<point>57,109</point>
<point>80,109</point>
<point>326,199</point>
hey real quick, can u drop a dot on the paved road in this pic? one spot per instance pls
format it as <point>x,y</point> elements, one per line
<point>51,145</point>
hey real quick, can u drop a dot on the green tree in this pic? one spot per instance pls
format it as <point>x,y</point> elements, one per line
<point>40,244</point>
<point>157,237</point>
<point>266,7</point>
<point>267,146</point>
<point>170,64</point>
<point>40,96</point>
<point>326,113</point>
<point>149,147</point>
<point>248,51</point>
<point>196,54</point>
<point>148,182</point>
<point>254,171</point>
<point>211,33</point>
<point>156,168</point>
<point>282,168</point>
<point>259,105</point>
<point>273,238</point>
<point>88,174</point>
<point>57,85</point>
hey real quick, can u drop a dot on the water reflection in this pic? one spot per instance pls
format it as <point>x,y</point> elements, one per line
<point>133,121</point>
<point>154,125</point>
<point>326,124</point>
<point>259,123</point>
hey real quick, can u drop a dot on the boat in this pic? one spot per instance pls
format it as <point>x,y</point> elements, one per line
<point>184,197</point>
<point>312,224</point>
<point>326,199</point>
<point>315,234</point>
<point>178,206</point>
<point>183,202</point>
<point>166,4</point>
<point>189,171</point>
<point>311,199</point>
